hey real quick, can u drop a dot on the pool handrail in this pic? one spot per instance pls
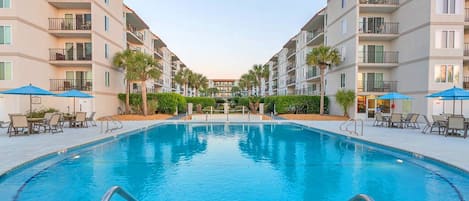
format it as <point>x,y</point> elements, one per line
<point>120,191</point>
<point>361,197</point>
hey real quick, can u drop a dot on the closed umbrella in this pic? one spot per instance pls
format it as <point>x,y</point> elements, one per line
<point>394,96</point>
<point>454,94</point>
<point>74,94</point>
<point>29,90</point>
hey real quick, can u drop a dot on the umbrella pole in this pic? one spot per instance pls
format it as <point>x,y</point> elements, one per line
<point>461,107</point>
<point>30,105</point>
<point>74,105</point>
<point>454,105</point>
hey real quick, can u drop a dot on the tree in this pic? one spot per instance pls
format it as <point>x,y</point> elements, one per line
<point>235,91</point>
<point>345,98</point>
<point>197,81</point>
<point>260,72</point>
<point>143,69</point>
<point>248,81</point>
<point>323,56</point>
<point>182,78</point>
<point>125,60</point>
<point>212,91</point>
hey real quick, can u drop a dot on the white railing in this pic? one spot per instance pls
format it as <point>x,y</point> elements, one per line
<point>345,127</point>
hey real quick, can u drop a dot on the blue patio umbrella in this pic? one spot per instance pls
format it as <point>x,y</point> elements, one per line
<point>457,98</point>
<point>29,90</point>
<point>454,94</point>
<point>74,94</point>
<point>394,96</point>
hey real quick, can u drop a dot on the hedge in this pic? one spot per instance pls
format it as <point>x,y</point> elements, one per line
<point>167,102</point>
<point>204,101</point>
<point>294,104</point>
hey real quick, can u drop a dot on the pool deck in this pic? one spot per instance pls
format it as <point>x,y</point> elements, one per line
<point>20,149</point>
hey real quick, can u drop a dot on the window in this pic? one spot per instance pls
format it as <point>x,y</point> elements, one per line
<point>344,26</point>
<point>5,70</point>
<point>107,81</point>
<point>446,74</point>
<point>342,80</point>
<point>106,23</point>
<point>4,3</point>
<point>449,6</point>
<point>106,2</point>
<point>447,39</point>
<point>106,51</point>
<point>5,35</point>
<point>343,3</point>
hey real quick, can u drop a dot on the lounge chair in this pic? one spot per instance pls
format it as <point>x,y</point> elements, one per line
<point>80,120</point>
<point>456,124</point>
<point>396,120</point>
<point>379,119</point>
<point>53,125</point>
<point>428,125</point>
<point>439,121</point>
<point>412,121</point>
<point>91,120</point>
<point>18,122</point>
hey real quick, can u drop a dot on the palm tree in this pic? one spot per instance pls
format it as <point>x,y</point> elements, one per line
<point>144,68</point>
<point>212,91</point>
<point>260,72</point>
<point>197,81</point>
<point>182,78</point>
<point>235,90</point>
<point>248,81</point>
<point>322,57</point>
<point>125,60</point>
<point>345,98</point>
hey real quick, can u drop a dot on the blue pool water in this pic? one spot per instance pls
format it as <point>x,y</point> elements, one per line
<point>205,162</point>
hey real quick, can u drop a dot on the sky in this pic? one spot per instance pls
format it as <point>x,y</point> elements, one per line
<point>225,38</point>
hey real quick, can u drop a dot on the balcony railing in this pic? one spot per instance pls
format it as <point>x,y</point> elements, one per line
<point>312,35</point>
<point>68,24</point>
<point>138,90</point>
<point>379,27</point>
<point>466,49</point>
<point>466,16</point>
<point>135,32</point>
<point>380,2</point>
<point>377,86</point>
<point>68,84</point>
<point>311,74</point>
<point>291,80</point>
<point>291,52</point>
<point>57,54</point>
<point>466,82</point>
<point>376,57</point>
<point>307,91</point>
<point>290,67</point>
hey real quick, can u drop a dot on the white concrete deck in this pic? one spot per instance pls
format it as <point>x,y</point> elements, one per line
<point>20,149</point>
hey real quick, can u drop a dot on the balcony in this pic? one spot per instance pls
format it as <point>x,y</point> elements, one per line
<point>375,58</point>
<point>133,35</point>
<point>291,52</point>
<point>290,67</point>
<point>380,31</point>
<point>377,86</point>
<point>466,82</point>
<point>316,37</point>
<point>67,57</point>
<point>69,84</point>
<point>379,6</point>
<point>138,90</point>
<point>291,81</point>
<point>466,50</point>
<point>312,74</point>
<point>69,27</point>
<point>466,15</point>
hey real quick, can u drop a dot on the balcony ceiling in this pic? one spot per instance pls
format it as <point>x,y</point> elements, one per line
<point>71,33</point>
<point>71,4</point>
<point>71,63</point>
<point>134,20</point>
<point>314,23</point>
<point>159,43</point>
<point>377,37</point>
<point>373,8</point>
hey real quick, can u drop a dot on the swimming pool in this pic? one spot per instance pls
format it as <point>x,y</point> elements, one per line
<point>235,162</point>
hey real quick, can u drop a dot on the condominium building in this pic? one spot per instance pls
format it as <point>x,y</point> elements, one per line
<point>224,87</point>
<point>65,44</point>
<point>385,46</point>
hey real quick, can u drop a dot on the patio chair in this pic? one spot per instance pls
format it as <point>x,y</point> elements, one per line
<point>10,125</point>
<point>80,120</point>
<point>91,120</point>
<point>412,121</point>
<point>456,124</point>
<point>439,121</point>
<point>53,125</point>
<point>428,125</point>
<point>18,122</point>
<point>396,119</point>
<point>379,119</point>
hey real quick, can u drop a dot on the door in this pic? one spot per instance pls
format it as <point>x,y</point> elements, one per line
<point>68,22</point>
<point>371,107</point>
<point>69,51</point>
<point>3,115</point>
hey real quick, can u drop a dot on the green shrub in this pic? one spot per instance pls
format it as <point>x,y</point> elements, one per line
<point>220,100</point>
<point>243,101</point>
<point>40,113</point>
<point>204,101</point>
<point>166,102</point>
<point>294,104</point>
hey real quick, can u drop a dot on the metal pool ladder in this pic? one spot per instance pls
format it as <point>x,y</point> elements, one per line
<point>345,126</point>
<point>115,124</point>
<point>120,191</point>
<point>361,197</point>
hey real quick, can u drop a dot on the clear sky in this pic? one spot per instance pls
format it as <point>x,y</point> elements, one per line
<point>224,38</point>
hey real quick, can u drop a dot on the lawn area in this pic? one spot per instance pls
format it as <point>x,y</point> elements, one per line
<point>315,117</point>
<point>133,117</point>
